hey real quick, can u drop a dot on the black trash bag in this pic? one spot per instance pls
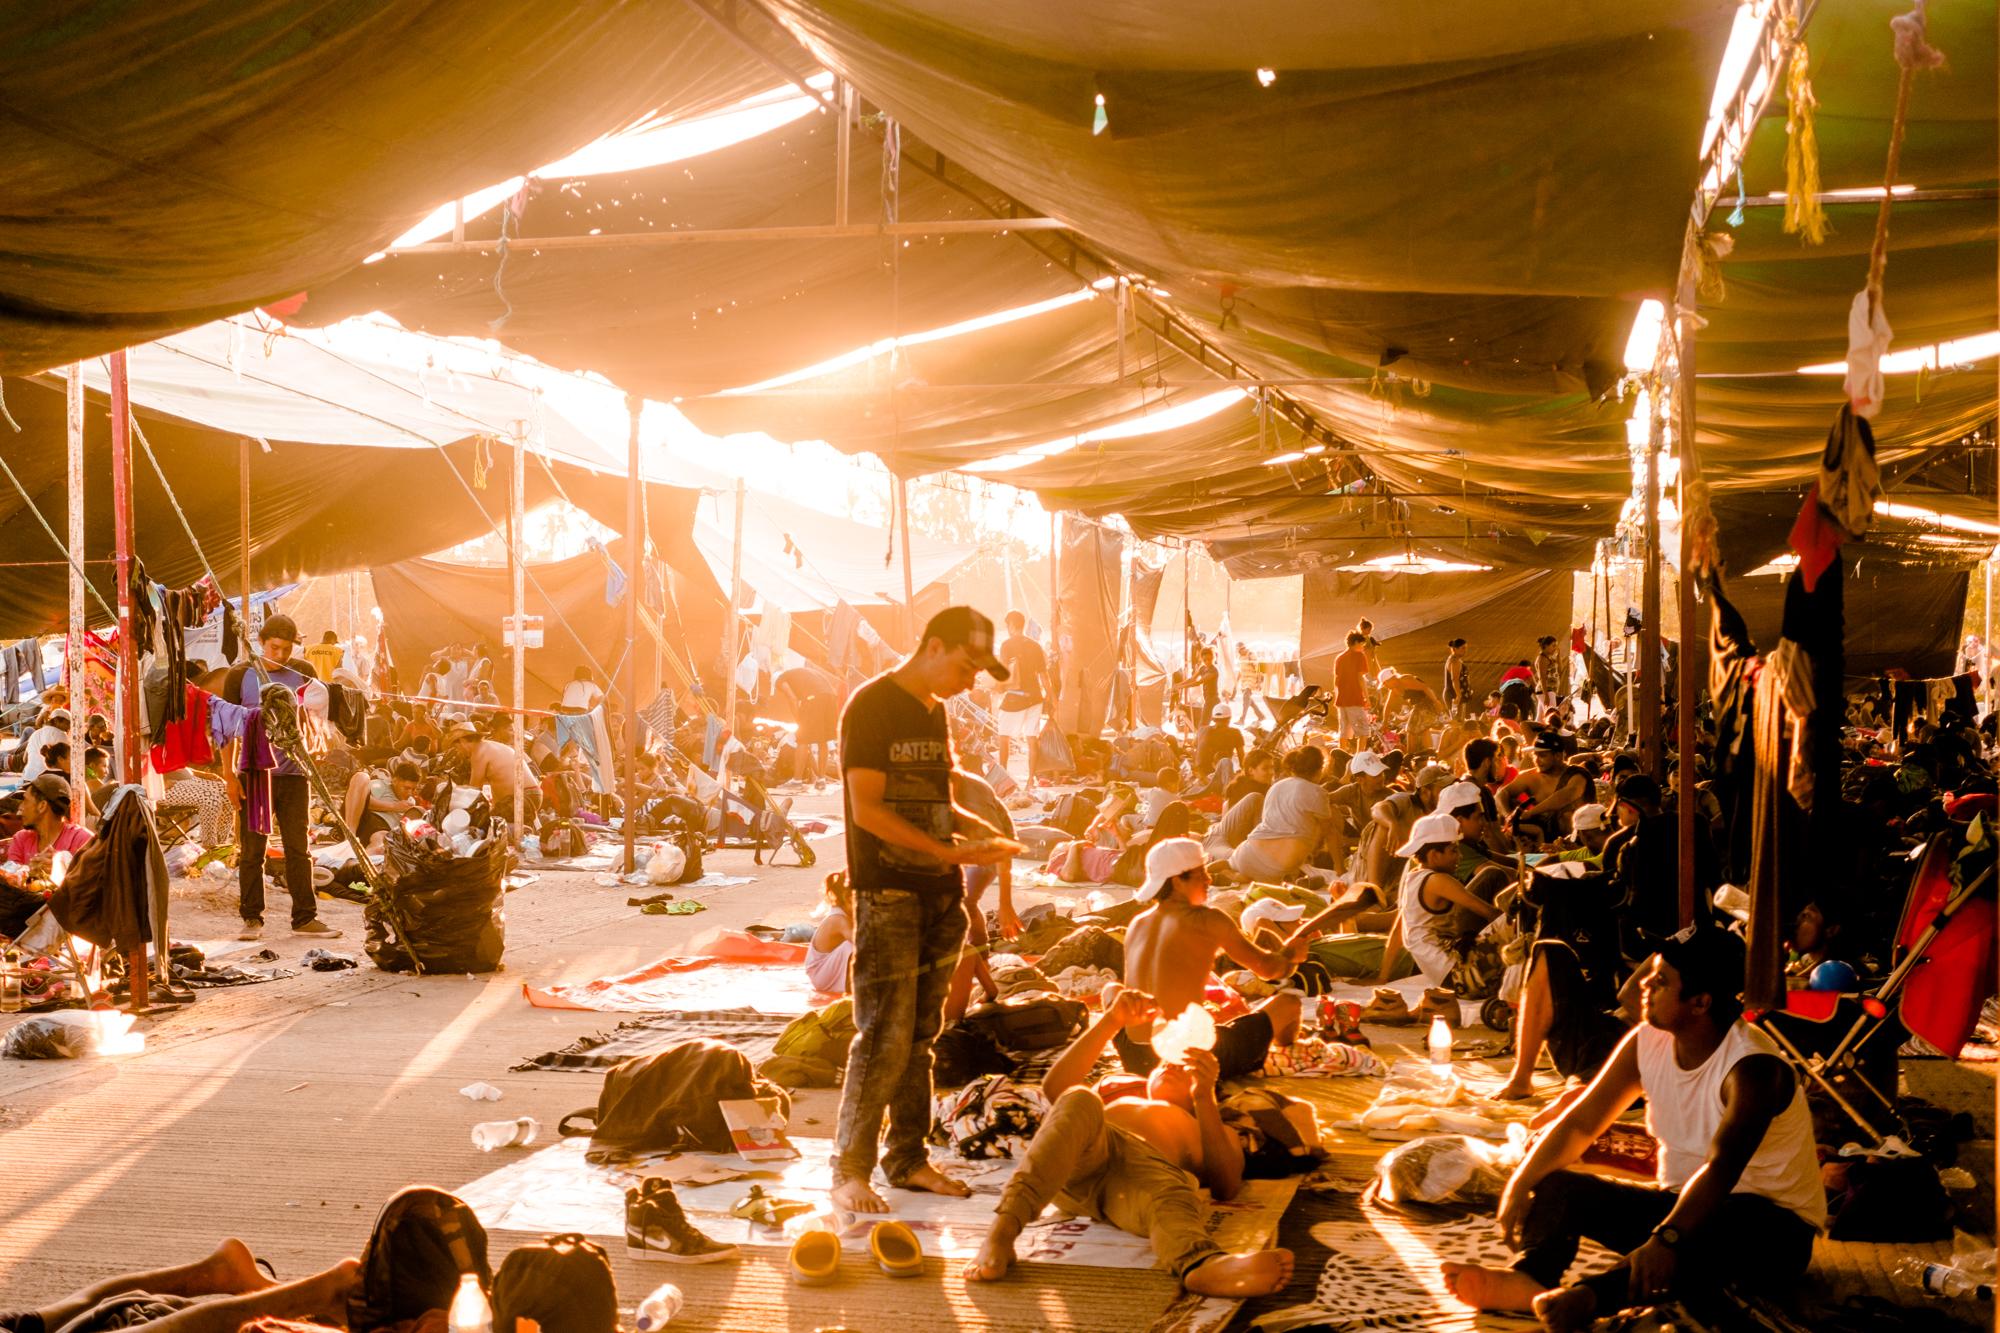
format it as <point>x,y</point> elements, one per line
<point>445,909</point>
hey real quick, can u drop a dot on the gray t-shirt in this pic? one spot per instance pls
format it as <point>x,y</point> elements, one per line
<point>1293,808</point>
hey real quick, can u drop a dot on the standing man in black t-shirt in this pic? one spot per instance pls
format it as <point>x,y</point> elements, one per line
<point>909,904</point>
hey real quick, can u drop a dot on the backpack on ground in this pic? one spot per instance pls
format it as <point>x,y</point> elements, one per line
<point>670,1102</point>
<point>1033,1025</point>
<point>563,1283</point>
<point>424,1238</point>
<point>562,838</point>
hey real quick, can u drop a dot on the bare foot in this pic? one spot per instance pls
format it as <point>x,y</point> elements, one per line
<point>231,1271</point>
<point>325,1294</point>
<point>1516,1089</point>
<point>1257,1274</point>
<point>996,1256</point>
<point>933,1181</point>
<point>1491,1288</point>
<point>1566,1309</point>
<point>856,1196</point>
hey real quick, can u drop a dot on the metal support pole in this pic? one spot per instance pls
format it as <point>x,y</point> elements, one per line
<point>127,713</point>
<point>243,514</point>
<point>633,481</point>
<point>903,541</point>
<point>1692,644</point>
<point>843,153</point>
<point>1056,657</point>
<point>517,569</point>
<point>73,651</point>
<point>734,632</point>
<point>1650,748</point>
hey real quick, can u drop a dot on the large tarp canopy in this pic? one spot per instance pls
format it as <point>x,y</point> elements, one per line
<point>175,161</point>
<point>1499,615</point>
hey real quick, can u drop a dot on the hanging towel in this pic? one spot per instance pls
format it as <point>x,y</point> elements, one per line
<point>255,767</point>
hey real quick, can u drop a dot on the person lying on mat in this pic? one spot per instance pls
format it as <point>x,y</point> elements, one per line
<point>1122,1152</point>
<point>1738,1199</point>
<point>1170,951</point>
<point>218,1294</point>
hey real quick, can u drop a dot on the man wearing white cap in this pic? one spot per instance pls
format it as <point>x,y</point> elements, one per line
<point>1353,805</point>
<point>1170,951</point>
<point>1589,826</point>
<point>1215,742</point>
<point>1433,905</point>
<point>1394,816</point>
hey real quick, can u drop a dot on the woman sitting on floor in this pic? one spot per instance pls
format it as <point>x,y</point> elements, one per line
<point>832,945</point>
<point>1086,862</point>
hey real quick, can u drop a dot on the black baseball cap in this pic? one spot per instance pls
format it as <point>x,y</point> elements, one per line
<point>278,627</point>
<point>53,788</point>
<point>963,627</point>
<point>1710,961</point>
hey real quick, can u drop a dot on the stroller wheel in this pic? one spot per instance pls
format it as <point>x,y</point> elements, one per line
<point>1497,1014</point>
<point>806,855</point>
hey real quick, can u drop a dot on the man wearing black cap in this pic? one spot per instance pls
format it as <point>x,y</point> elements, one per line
<point>909,905</point>
<point>289,793</point>
<point>1543,796</point>
<point>1738,1199</point>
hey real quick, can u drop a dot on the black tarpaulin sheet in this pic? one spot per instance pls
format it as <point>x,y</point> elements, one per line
<point>429,605</point>
<point>1090,597</point>
<point>314,509</point>
<point>1499,613</point>
<point>1897,616</point>
<point>697,318</point>
<point>172,162</point>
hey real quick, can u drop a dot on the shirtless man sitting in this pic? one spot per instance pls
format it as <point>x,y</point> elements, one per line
<point>1171,948</point>
<point>1550,789</point>
<point>1122,1152</point>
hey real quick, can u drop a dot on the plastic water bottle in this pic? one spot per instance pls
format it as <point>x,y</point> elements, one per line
<point>1941,1280</point>
<point>469,1311</point>
<point>658,1308</point>
<point>10,981</point>
<point>1440,1042</point>
<point>491,1134</point>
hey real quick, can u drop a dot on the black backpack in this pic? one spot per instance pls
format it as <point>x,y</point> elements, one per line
<point>424,1239</point>
<point>670,1102</point>
<point>563,1283</point>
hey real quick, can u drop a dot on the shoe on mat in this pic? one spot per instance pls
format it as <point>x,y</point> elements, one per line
<point>1390,1009</point>
<point>767,1211</point>
<point>896,1250</point>
<point>657,1228</point>
<point>317,929</point>
<point>815,1258</point>
<point>252,930</point>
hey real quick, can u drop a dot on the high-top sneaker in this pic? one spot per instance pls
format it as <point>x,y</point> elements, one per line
<point>656,1227</point>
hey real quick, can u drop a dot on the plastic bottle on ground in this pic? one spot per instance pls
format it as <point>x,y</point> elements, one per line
<point>1940,1279</point>
<point>1440,1042</point>
<point>470,1312</point>
<point>491,1134</point>
<point>657,1309</point>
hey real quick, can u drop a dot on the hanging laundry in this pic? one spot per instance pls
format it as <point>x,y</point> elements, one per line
<point>186,743</point>
<point>255,766</point>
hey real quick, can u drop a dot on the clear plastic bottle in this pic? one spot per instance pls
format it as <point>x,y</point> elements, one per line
<point>491,1134</point>
<point>1940,1279</point>
<point>1440,1042</point>
<point>657,1309</point>
<point>10,981</point>
<point>470,1312</point>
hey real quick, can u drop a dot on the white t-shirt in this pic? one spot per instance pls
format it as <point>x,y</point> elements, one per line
<point>582,695</point>
<point>42,736</point>
<point>1684,1110</point>
<point>1295,807</point>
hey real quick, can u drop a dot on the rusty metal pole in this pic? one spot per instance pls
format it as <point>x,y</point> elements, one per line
<point>1650,751</point>
<point>1693,649</point>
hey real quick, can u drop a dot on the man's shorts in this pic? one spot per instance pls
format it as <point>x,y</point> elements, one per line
<point>1240,1047</point>
<point>1021,724</point>
<point>1354,721</point>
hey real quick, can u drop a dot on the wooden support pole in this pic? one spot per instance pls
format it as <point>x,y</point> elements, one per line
<point>843,153</point>
<point>74,652</point>
<point>1056,656</point>
<point>1651,752</point>
<point>633,481</point>
<point>243,516</point>
<point>734,633</point>
<point>126,717</point>
<point>1693,649</point>
<point>517,572</point>
<point>910,626</point>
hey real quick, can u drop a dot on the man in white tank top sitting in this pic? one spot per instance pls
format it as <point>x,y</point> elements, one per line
<point>1739,1198</point>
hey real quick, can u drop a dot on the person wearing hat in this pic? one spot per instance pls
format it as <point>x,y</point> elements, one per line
<point>1458,700</point>
<point>1352,804</point>
<point>46,827</point>
<point>1401,689</point>
<point>1433,907</point>
<point>1394,816</point>
<point>1218,740</point>
<point>1541,798</point>
<point>1170,952</point>
<point>1589,826</point>
<point>1737,1199</point>
<point>53,731</point>
<point>1643,859</point>
<point>909,903</point>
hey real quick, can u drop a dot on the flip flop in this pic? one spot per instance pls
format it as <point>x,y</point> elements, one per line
<point>815,1258</point>
<point>896,1250</point>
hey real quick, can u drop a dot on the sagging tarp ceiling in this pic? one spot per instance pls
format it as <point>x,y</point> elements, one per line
<point>1499,614</point>
<point>1091,591</point>
<point>172,163</point>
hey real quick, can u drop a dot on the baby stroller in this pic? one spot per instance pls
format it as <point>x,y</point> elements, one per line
<point>1946,966</point>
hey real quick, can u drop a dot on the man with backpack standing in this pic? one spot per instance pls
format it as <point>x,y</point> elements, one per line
<point>909,906</point>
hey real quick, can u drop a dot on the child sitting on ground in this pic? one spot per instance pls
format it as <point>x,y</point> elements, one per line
<point>832,946</point>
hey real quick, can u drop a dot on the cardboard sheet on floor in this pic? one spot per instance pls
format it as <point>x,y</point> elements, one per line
<point>722,969</point>
<point>556,1190</point>
<point>749,1030</point>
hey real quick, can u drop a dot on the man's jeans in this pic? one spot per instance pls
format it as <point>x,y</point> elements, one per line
<point>906,946</point>
<point>1748,1240</point>
<point>288,812</point>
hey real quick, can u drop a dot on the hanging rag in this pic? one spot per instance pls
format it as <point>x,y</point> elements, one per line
<point>226,721</point>
<point>1787,684</point>
<point>1732,661</point>
<point>254,767</point>
<point>186,743</point>
<point>1849,481</point>
<point>115,892</point>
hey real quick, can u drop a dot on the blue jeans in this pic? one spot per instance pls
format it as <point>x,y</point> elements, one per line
<point>906,946</point>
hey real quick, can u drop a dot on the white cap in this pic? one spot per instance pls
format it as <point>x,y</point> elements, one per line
<point>1269,909</point>
<point>1385,675</point>
<point>1587,817</point>
<point>1368,762</point>
<point>1434,827</point>
<point>1460,794</point>
<point>1220,713</point>
<point>1165,859</point>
